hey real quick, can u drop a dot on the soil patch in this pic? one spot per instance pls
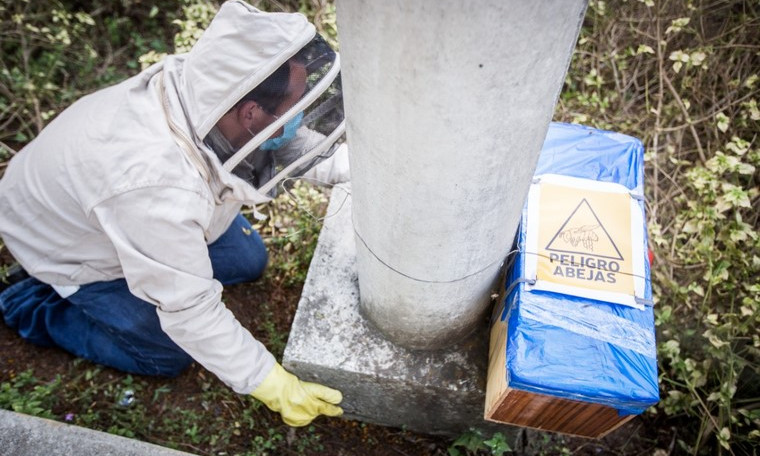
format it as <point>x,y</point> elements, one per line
<point>91,394</point>
<point>267,310</point>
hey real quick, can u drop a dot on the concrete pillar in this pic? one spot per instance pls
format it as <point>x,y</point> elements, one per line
<point>447,106</point>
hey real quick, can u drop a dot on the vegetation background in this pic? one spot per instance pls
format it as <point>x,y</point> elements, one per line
<point>683,76</point>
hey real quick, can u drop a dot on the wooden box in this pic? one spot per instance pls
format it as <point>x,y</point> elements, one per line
<point>540,411</point>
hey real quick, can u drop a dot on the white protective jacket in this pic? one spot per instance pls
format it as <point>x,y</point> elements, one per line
<point>108,191</point>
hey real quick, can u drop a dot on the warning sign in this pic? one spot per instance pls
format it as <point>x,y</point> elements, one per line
<point>583,234</point>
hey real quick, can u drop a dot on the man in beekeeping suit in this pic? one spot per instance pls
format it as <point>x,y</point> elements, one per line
<point>124,211</point>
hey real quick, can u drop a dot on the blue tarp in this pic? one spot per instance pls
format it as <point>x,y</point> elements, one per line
<point>572,347</point>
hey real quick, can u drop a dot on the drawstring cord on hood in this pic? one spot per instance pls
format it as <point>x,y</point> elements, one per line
<point>197,158</point>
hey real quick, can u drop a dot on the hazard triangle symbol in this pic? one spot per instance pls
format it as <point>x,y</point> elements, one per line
<point>583,233</point>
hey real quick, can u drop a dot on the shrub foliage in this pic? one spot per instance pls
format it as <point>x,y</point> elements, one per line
<point>683,77</point>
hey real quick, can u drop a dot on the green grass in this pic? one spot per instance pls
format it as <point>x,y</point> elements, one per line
<point>209,421</point>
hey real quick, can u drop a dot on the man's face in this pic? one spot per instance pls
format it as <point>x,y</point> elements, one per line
<point>296,89</point>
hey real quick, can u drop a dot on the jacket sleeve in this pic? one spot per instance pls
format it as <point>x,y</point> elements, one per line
<point>332,170</point>
<point>158,235</point>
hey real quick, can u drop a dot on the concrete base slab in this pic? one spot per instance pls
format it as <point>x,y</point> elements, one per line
<point>439,392</point>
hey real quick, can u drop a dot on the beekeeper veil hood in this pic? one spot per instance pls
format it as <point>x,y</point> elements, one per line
<point>274,63</point>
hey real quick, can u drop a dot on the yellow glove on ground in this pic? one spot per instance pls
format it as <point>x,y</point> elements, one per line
<point>298,402</point>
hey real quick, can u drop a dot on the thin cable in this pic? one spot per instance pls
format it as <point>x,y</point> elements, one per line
<point>358,236</point>
<point>590,267</point>
<point>303,207</point>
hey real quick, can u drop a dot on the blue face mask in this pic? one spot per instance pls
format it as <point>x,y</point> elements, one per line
<point>288,133</point>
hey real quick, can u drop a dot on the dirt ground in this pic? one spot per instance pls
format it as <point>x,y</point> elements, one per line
<point>337,436</point>
<point>267,310</point>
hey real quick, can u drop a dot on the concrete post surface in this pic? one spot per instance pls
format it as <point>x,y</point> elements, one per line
<point>23,435</point>
<point>447,105</point>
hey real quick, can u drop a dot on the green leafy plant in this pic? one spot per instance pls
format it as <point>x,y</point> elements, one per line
<point>27,394</point>
<point>474,442</point>
<point>688,87</point>
<point>196,15</point>
<point>49,57</point>
<point>292,229</point>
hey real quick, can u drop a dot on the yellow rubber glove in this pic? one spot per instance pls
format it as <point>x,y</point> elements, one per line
<point>298,402</point>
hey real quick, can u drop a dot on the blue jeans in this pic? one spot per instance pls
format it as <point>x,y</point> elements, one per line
<point>105,323</point>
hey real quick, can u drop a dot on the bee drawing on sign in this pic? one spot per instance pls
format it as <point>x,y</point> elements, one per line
<point>584,235</point>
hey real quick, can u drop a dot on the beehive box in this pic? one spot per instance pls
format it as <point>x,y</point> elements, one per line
<point>572,345</point>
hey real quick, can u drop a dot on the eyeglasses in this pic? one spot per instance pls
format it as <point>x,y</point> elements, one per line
<point>276,117</point>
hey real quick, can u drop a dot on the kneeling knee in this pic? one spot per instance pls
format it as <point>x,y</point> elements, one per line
<point>250,264</point>
<point>257,265</point>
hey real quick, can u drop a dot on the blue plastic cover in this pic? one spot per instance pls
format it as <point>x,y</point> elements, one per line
<point>580,348</point>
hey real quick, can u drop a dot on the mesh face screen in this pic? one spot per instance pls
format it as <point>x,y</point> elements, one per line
<point>299,144</point>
